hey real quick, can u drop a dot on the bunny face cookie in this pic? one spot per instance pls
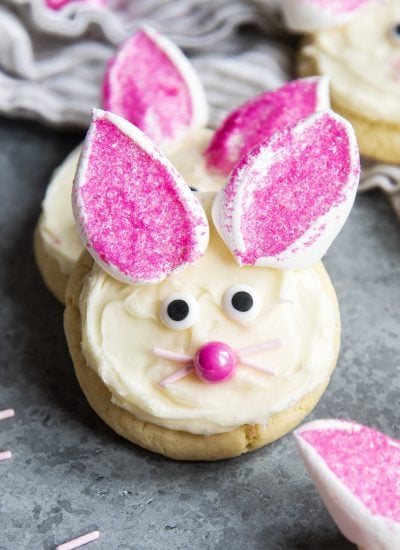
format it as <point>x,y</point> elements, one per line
<point>182,339</point>
<point>356,44</point>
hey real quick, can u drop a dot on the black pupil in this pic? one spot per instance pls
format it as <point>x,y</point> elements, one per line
<point>242,301</point>
<point>396,29</point>
<point>178,310</point>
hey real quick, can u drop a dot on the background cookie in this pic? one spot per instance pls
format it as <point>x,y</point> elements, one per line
<point>356,46</point>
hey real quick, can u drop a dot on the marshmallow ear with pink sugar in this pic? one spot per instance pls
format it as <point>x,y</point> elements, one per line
<point>287,199</point>
<point>357,473</point>
<point>152,84</point>
<point>314,15</point>
<point>135,213</point>
<point>262,116</point>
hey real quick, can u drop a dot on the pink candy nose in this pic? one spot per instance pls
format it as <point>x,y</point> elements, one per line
<point>214,362</point>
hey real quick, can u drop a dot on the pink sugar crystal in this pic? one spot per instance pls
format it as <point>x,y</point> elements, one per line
<point>148,82</point>
<point>258,119</point>
<point>137,215</point>
<point>365,460</point>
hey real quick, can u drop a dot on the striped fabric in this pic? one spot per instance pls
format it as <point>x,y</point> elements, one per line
<point>51,62</point>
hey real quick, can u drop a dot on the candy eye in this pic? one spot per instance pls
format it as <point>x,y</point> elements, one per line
<point>179,311</point>
<point>242,303</point>
<point>395,32</point>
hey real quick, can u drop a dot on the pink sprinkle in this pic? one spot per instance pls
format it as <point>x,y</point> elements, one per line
<point>78,542</point>
<point>5,455</point>
<point>366,461</point>
<point>258,119</point>
<point>337,6</point>
<point>135,213</point>
<point>309,172</point>
<point>143,85</point>
<point>8,413</point>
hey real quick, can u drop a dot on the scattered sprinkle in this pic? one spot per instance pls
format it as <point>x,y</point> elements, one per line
<point>8,413</point>
<point>5,455</point>
<point>80,541</point>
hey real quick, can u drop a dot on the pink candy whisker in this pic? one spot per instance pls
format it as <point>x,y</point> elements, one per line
<point>269,344</point>
<point>178,375</point>
<point>172,355</point>
<point>256,366</point>
<point>7,413</point>
<point>80,541</point>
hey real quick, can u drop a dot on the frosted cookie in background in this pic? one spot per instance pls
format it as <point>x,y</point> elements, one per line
<point>203,326</point>
<point>357,45</point>
<point>357,473</point>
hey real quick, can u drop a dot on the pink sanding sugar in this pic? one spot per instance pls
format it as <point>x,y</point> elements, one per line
<point>308,175</point>
<point>258,119</point>
<point>337,6</point>
<point>133,215</point>
<point>144,86</point>
<point>366,461</point>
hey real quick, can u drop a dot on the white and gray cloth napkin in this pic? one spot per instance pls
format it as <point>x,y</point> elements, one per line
<point>52,62</point>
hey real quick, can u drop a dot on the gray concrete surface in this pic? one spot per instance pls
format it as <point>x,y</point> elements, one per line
<point>71,474</point>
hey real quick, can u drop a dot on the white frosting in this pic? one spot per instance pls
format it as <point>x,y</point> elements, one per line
<point>121,325</point>
<point>362,60</point>
<point>57,224</point>
<point>355,521</point>
<point>311,15</point>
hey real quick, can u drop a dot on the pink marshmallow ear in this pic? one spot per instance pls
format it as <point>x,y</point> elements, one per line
<point>314,15</point>
<point>258,119</point>
<point>287,199</point>
<point>357,473</point>
<point>153,85</point>
<point>136,215</point>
